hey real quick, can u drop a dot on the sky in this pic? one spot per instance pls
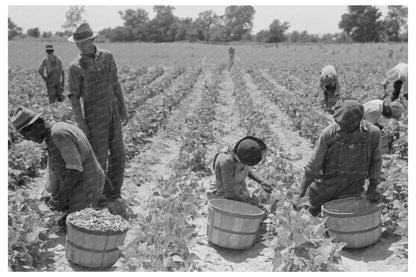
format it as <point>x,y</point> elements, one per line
<point>316,19</point>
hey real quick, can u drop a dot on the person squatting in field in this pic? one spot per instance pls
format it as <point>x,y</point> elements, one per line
<point>75,179</point>
<point>345,155</point>
<point>55,75</point>
<point>232,167</point>
<point>328,82</point>
<point>398,77</point>
<point>374,109</point>
<point>93,77</point>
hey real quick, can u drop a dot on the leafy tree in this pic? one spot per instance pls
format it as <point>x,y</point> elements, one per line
<point>33,32</point>
<point>262,36</point>
<point>163,27</point>
<point>238,21</point>
<point>218,33</point>
<point>46,34</point>
<point>204,22</point>
<point>73,18</point>
<point>277,31</point>
<point>362,23</point>
<point>395,23</point>
<point>134,18</point>
<point>14,30</point>
<point>136,21</point>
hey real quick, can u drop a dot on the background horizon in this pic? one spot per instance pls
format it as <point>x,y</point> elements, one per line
<point>315,19</point>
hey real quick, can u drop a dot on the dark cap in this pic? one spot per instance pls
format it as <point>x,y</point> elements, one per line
<point>248,150</point>
<point>349,114</point>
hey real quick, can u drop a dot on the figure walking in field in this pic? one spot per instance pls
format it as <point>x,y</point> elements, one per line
<point>231,52</point>
<point>329,83</point>
<point>345,155</point>
<point>54,76</point>
<point>93,77</point>
<point>232,167</point>
<point>398,77</point>
<point>75,179</point>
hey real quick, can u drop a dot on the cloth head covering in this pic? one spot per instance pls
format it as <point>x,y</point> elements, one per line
<point>348,114</point>
<point>393,75</point>
<point>248,150</point>
<point>23,117</point>
<point>82,33</point>
<point>396,109</point>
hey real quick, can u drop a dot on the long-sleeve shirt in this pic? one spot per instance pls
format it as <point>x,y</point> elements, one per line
<point>54,69</point>
<point>342,161</point>
<point>373,110</point>
<point>230,176</point>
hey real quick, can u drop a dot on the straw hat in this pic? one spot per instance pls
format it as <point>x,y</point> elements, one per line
<point>23,117</point>
<point>82,33</point>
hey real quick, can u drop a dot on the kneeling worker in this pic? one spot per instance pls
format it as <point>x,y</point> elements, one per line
<point>345,155</point>
<point>374,109</point>
<point>232,167</point>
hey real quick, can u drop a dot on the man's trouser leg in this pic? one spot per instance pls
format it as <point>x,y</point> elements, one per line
<point>98,125</point>
<point>51,93</point>
<point>117,158</point>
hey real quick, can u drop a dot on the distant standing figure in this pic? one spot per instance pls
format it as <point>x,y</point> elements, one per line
<point>231,52</point>
<point>397,76</point>
<point>329,83</point>
<point>55,75</point>
<point>93,77</point>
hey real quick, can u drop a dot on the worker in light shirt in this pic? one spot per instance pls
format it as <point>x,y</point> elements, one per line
<point>329,83</point>
<point>398,77</point>
<point>374,109</point>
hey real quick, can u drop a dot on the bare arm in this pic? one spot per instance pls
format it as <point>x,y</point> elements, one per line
<point>76,108</point>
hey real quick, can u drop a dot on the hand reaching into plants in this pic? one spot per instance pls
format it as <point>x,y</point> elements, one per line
<point>56,205</point>
<point>267,187</point>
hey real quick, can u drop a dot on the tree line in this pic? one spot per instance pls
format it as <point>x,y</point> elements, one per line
<point>358,24</point>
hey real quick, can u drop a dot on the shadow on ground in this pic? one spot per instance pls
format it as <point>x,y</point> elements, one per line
<point>376,252</point>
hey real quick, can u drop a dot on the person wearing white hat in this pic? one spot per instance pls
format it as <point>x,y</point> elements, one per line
<point>398,77</point>
<point>328,82</point>
<point>93,77</point>
<point>55,75</point>
<point>75,179</point>
<point>374,109</point>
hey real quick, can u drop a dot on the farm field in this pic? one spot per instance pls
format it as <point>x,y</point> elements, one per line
<point>184,106</point>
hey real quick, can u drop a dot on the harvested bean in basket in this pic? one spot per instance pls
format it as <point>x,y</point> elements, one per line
<point>98,220</point>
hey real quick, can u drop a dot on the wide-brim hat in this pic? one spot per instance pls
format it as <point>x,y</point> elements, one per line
<point>248,150</point>
<point>23,117</point>
<point>82,33</point>
<point>49,47</point>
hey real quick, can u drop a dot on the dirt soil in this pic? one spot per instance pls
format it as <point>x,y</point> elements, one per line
<point>157,157</point>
